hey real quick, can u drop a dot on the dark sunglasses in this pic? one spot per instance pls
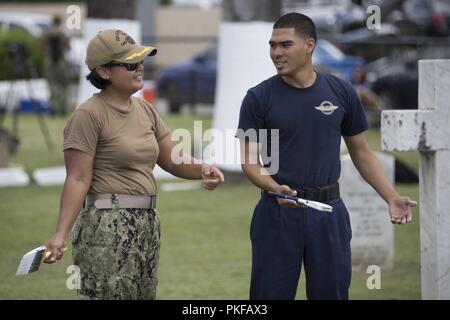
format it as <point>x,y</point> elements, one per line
<point>128,66</point>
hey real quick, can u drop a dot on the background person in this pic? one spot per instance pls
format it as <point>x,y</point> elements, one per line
<point>55,43</point>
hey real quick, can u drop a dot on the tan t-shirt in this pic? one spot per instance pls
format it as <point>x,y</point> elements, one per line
<point>124,145</point>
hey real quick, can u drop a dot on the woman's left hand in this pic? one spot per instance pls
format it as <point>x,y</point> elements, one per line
<point>211,177</point>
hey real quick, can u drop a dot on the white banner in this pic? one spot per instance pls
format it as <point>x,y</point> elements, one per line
<point>243,62</point>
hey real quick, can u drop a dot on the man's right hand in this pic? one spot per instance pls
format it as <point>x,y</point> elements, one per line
<point>288,203</point>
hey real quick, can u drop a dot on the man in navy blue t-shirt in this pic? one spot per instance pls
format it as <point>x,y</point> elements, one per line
<point>308,112</point>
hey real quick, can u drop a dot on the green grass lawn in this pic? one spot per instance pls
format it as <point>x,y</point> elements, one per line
<point>205,251</point>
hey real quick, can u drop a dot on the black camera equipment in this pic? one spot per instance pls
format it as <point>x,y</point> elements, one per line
<point>21,69</point>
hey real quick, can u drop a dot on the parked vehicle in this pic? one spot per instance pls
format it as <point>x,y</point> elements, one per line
<point>194,81</point>
<point>430,17</point>
<point>333,60</point>
<point>331,17</point>
<point>415,17</point>
<point>395,80</point>
<point>398,91</point>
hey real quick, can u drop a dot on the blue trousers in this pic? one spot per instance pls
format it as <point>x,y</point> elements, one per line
<point>284,238</point>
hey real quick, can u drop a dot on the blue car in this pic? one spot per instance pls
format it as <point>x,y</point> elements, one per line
<point>194,81</point>
<point>329,58</point>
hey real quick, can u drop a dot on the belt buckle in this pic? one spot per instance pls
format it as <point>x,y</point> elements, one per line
<point>153,202</point>
<point>115,202</point>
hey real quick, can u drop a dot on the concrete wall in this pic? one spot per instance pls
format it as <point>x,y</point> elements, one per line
<point>180,32</point>
<point>187,23</point>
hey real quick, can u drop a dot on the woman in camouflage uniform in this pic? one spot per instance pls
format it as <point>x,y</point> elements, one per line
<point>112,142</point>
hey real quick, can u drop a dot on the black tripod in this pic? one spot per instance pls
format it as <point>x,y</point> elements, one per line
<point>21,69</point>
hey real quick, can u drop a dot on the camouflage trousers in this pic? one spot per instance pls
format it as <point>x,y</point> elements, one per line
<point>117,251</point>
<point>56,74</point>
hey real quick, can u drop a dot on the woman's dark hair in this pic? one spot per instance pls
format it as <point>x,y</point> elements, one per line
<point>97,81</point>
<point>303,25</point>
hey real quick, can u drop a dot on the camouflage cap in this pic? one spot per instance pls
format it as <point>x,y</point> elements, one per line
<point>115,45</point>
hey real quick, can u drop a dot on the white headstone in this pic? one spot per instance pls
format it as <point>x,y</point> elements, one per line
<point>373,234</point>
<point>13,177</point>
<point>180,186</point>
<point>50,176</point>
<point>161,174</point>
<point>428,131</point>
<point>57,175</point>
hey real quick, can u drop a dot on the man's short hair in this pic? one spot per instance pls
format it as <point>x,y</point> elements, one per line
<point>304,27</point>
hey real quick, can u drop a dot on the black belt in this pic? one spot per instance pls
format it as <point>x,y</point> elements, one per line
<point>320,193</point>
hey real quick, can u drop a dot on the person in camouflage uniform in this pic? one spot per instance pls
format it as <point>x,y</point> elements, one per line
<point>55,43</point>
<point>112,142</point>
<point>124,243</point>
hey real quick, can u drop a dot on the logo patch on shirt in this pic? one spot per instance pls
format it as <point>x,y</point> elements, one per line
<point>326,107</point>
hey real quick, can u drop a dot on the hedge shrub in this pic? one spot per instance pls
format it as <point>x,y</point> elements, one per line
<point>32,48</point>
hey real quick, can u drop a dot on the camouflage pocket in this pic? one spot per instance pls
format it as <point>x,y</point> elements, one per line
<point>76,231</point>
<point>104,230</point>
<point>157,223</point>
